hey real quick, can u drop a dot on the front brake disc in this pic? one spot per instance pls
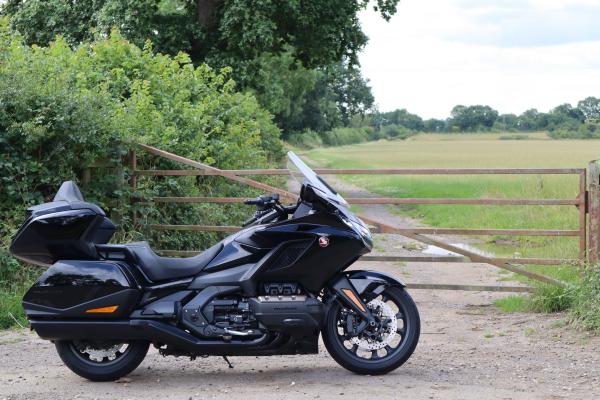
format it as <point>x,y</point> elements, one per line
<point>386,335</point>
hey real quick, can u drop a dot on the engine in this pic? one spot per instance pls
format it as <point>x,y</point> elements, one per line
<point>281,307</point>
<point>230,314</point>
<point>281,289</point>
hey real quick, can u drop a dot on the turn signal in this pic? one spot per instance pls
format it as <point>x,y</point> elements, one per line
<point>109,309</point>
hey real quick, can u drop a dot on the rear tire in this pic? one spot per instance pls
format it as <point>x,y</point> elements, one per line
<point>345,351</point>
<point>96,367</point>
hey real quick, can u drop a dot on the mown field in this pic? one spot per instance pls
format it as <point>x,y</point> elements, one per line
<point>471,151</point>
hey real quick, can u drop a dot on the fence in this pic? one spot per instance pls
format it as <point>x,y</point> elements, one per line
<point>514,264</point>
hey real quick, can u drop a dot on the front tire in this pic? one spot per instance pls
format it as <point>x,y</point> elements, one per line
<point>375,351</point>
<point>101,362</point>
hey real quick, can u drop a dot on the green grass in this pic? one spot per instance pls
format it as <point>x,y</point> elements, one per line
<point>11,310</point>
<point>15,280</point>
<point>473,151</point>
<point>513,303</point>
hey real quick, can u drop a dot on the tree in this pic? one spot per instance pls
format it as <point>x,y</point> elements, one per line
<point>352,92</point>
<point>434,125</point>
<point>249,36</point>
<point>404,118</point>
<point>590,108</point>
<point>472,118</point>
<point>532,120</point>
<point>507,122</point>
<point>565,116</point>
<point>322,32</point>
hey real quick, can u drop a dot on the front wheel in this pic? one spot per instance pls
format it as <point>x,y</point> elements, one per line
<point>379,349</point>
<point>102,361</point>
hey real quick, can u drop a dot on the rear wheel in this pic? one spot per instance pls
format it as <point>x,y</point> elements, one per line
<point>377,349</point>
<point>102,361</point>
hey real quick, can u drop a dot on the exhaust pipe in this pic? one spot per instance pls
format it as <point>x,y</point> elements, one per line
<point>153,331</point>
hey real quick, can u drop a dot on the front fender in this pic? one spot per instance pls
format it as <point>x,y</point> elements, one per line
<point>349,288</point>
<point>361,280</point>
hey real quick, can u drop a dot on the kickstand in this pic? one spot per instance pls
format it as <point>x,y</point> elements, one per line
<point>227,361</point>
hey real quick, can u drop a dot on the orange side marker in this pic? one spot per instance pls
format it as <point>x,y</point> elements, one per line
<point>109,309</point>
<point>350,294</point>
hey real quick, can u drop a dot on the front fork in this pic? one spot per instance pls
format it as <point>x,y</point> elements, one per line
<point>351,286</point>
<point>349,296</point>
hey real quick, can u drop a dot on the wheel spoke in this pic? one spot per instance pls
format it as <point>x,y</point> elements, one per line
<point>354,348</point>
<point>399,315</point>
<point>374,354</point>
<point>388,350</point>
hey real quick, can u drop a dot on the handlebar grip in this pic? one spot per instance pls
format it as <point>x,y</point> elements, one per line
<point>252,202</point>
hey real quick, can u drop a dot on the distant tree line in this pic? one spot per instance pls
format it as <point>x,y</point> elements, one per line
<point>563,121</point>
<point>477,118</point>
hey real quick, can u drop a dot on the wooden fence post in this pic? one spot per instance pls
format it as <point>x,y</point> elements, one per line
<point>133,183</point>
<point>594,212</point>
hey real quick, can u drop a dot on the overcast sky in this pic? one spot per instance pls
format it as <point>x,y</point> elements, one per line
<point>509,54</point>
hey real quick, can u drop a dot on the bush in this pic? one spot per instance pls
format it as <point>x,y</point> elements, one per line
<point>344,136</point>
<point>308,139</point>
<point>548,298</point>
<point>514,137</point>
<point>63,109</point>
<point>585,308</point>
<point>590,130</point>
<point>396,132</point>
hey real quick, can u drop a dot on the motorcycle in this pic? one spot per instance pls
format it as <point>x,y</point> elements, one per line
<point>269,289</point>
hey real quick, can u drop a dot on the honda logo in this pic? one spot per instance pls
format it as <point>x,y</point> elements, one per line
<point>323,241</point>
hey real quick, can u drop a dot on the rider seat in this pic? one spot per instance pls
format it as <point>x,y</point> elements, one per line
<point>159,268</point>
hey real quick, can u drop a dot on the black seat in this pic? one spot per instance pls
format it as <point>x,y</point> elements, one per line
<point>159,268</point>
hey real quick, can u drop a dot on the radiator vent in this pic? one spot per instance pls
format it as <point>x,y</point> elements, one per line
<point>289,254</point>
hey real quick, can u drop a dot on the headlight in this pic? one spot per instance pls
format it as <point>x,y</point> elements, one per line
<point>359,227</point>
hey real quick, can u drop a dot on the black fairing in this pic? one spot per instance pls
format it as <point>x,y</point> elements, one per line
<point>70,288</point>
<point>287,251</point>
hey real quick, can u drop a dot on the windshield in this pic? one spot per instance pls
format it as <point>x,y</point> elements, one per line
<point>303,172</point>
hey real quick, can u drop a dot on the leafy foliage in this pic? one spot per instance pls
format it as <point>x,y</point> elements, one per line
<point>63,110</point>
<point>585,307</point>
<point>221,32</point>
<point>298,58</point>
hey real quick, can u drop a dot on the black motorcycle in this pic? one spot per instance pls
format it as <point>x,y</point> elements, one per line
<point>269,289</point>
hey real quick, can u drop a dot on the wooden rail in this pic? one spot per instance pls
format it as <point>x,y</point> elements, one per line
<point>421,259</point>
<point>371,171</point>
<point>428,231</point>
<point>394,201</point>
<point>511,264</point>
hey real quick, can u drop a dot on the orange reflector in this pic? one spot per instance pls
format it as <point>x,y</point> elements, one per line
<point>109,309</point>
<point>350,294</point>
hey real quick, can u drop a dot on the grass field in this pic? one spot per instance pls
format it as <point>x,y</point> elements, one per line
<point>471,151</point>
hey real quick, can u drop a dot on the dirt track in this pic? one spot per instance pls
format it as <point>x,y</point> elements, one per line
<point>468,350</point>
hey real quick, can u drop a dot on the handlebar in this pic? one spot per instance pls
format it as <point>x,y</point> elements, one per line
<point>265,204</point>
<point>263,200</point>
<point>251,202</point>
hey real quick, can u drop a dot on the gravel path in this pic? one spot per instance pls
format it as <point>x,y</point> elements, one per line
<point>468,350</point>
